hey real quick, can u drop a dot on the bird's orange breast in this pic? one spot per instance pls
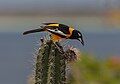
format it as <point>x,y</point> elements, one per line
<point>55,38</point>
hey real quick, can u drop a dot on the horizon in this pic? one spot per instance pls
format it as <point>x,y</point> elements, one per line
<point>88,24</point>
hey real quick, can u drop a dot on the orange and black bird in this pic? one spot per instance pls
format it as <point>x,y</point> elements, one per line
<point>59,31</point>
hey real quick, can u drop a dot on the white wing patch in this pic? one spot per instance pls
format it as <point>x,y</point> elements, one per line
<point>57,31</point>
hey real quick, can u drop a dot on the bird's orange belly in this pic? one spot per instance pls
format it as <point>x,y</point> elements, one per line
<point>55,38</point>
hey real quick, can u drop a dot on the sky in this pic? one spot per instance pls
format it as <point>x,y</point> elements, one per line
<point>57,6</point>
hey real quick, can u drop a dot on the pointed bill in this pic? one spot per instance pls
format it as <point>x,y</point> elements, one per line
<point>81,40</point>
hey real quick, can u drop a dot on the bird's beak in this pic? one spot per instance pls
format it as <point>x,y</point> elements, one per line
<point>81,40</point>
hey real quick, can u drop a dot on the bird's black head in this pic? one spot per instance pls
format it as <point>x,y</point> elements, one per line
<point>77,35</point>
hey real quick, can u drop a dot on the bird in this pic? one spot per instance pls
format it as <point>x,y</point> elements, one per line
<point>59,31</point>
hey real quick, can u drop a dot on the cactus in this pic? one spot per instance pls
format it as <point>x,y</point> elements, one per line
<point>50,64</point>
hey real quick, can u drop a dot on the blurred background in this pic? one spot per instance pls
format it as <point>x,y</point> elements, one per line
<point>98,20</point>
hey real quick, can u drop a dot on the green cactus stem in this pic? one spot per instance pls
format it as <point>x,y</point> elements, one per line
<point>50,64</point>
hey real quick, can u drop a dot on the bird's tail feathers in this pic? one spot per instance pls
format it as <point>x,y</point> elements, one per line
<point>33,31</point>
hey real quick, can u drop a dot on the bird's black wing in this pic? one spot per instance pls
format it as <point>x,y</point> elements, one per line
<point>64,28</point>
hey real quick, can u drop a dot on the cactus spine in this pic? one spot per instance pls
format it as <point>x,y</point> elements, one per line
<point>50,64</point>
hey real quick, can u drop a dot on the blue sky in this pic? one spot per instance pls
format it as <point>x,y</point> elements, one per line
<point>47,6</point>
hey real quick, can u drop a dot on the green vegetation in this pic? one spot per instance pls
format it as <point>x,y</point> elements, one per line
<point>90,70</point>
